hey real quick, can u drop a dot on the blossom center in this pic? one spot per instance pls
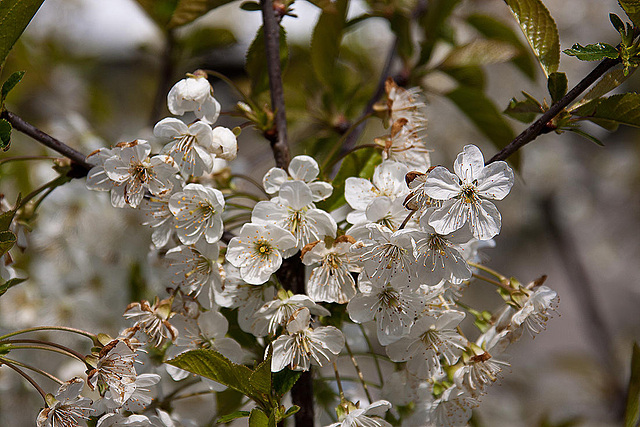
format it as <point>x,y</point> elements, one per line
<point>263,248</point>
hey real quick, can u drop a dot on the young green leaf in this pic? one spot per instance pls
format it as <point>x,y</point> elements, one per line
<point>5,134</point>
<point>292,410</point>
<point>632,411</point>
<point>491,28</point>
<point>284,380</point>
<point>557,85</point>
<point>326,40</point>
<point>617,23</point>
<point>260,379</point>
<point>15,15</point>
<point>9,284</point>
<point>213,365</point>
<point>613,110</point>
<point>7,240</point>
<point>7,217</point>
<point>190,10</point>
<point>632,9</point>
<point>9,84</point>
<point>540,31</point>
<point>233,416</point>
<point>401,26</point>
<point>256,63</point>
<point>606,84</point>
<point>480,52</point>
<point>592,52</point>
<point>258,418</point>
<point>587,136</point>
<point>524,111</point>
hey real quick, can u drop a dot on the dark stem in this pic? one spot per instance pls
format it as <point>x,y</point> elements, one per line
<point>541,125</point>
<point>166,74</point>
<point>28,378</point>
<point>79,166</point>
<point>582,287</point>
<point>279,143</point>
<point>67,350</point>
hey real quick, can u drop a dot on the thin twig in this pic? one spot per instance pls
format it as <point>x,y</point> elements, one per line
<point>67,350</point>
<point>373,354</point>
<point>279,143</point>
<point>28,378</point>
<point>542,125</point>
<point>358,371</point>
<point>81,168</point>
<point>32,368</point>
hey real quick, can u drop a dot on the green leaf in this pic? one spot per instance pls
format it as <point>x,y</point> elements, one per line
<point>611,111</point>
<point>606,84</point>
<point>540,30</point>
<point>292,410</point>
<point>617,23</point>
<point>467,76</point>
<point>251,6</point>
<point>9,84</point>
<point>258,418</point>
<point>211,364</point>
<point>587,136</point>
<point>7,217</point>
<point>9,284</point>
<point>632,9</point>
<point>326,40</point>
<point>491,28</point>
<point>234,416</point>
<point>592,52</point>
<point>360,163</point>
<point>284,380</point>
<point>7,240</point>
<point>632,411</point>
<point>229,401</point>
<point>483,113</point>
<point>524,111</point>
<point>15,15</point>
<point>159,10</point>
<point>433,25</point>
<point>189,10</point>
<point>557,85</point>
<point>260,379</point>
<point>480,52</point>
<point>5,135</point>
<point>256,63</point>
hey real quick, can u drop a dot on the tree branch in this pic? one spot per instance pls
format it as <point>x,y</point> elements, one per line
<point>79,166</point>
<point>539,126</point>
<point>279,143</point>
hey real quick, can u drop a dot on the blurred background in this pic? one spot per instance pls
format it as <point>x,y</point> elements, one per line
<point>97,73</point>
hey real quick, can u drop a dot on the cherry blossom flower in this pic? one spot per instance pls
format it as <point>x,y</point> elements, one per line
<point>406,104</point>
<point>153,320</point>
<point>97,178</point>
<point>441,255</point>
<point>257,251</point>
<point>198,211</point>
<point>451,409</point>
<point>159,217</point>
<point>395,308</point>
<point>66,408</point>
<point>279,311</point>
<point>429,339</point>
<point>225,143</point>
<point>534,311</point>
<point>466,194</point>
<point>301,168</point>
<point>369,416</point>
<point>405,146</point>
<point>115,371</point>
<point>116,419</point>
<point>303,346</point>
<point>478,372</point>
<point>381,199</point>
<point>332,280</point>
<point>194,267</point>
<point>189,146</point>
<point>133,170</point>
<point>293,210</point>
<point>194,94</point>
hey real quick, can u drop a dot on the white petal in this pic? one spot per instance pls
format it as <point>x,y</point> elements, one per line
<point>359,192</point>
<point>495,181</point>
<point>485,220</point>
<point>469,163</point>
<point>169,128</point>
<point>451,216</point>
<point>273,179</point>
<point>304,168</point>
<point>441,184</point>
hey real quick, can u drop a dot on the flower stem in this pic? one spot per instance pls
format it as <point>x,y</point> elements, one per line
<point>93,337</point>
<point>373,354</point>
<point>251,180</point>
<point>335,370</point>
<point>493,282</point>
<point>492,272</point>
<point>32,368</point>
<point>48,345</point>
<point>28,378</point>
<point>18,158</point>
<point>357,367</point>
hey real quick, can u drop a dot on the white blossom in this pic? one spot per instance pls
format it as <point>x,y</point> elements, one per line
<point>115,371</point>
<point>225,143</point>
<point>303,346</point>
<point>534,312</point>
<point>159,217</point>
<point>190,146</point>
<point>194,94</point>
<point>257,251</point>
<point>466,194</point>
<point>369,416</point>
<point>301,168</point>
<point>195,267</point>
<point>66,408</point>
<point>279,311</point>
<point>153,320</point>
<point>198,211</point>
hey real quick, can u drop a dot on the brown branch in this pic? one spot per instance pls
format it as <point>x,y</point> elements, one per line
<point>279,143</point>
<point>79,166</point>
<point>541,125</point>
